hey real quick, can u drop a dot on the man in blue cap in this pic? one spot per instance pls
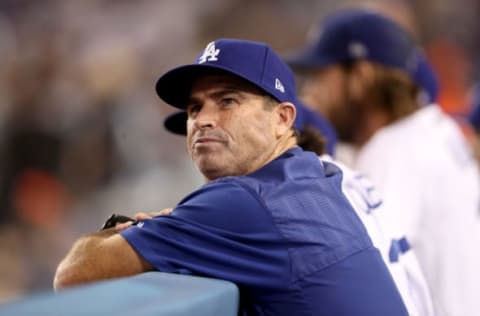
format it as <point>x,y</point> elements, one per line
<point>271,218</point>
<point>364,73</point>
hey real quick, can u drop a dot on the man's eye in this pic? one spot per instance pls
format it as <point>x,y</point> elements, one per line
<point>228,101</point>
<point>193,109</point>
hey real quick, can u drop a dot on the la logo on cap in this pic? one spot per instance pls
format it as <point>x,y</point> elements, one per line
<point>209,54</point>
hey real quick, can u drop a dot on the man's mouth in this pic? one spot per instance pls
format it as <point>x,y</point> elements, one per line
<point>202,140</point>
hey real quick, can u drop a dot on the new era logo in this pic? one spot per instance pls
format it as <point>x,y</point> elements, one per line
<point>279,86</point>
<point>209,54</point>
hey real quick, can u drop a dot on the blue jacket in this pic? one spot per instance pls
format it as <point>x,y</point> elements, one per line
<point>285,234</point>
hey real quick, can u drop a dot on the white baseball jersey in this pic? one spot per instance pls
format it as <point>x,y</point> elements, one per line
<point>429,182</point>
<point>394,247</point>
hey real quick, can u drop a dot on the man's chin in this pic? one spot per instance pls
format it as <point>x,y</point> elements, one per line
<point>210,165</point>
<point>213,173</point>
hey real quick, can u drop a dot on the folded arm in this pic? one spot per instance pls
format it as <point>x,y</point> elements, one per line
<point>98,256</point>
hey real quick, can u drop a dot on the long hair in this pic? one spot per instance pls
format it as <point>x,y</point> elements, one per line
<point>311,139</point>
<point>390,91</point>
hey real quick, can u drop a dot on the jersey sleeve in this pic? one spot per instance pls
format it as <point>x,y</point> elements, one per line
<point>222,230</point>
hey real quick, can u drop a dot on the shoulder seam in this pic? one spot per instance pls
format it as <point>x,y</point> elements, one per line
<point>257,196</point>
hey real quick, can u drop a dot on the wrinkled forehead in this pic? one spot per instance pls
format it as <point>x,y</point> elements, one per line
<point>222,81</point>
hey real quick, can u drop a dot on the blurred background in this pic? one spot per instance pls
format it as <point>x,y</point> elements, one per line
<point>81,132</point>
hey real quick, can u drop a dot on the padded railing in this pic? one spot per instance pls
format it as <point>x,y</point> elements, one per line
<point>148,294</point>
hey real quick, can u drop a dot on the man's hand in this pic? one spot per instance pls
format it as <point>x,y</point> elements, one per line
<point>143,216</point>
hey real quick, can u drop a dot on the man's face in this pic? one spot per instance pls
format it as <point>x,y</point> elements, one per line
<point>230,131</point>
<point>326,91</point>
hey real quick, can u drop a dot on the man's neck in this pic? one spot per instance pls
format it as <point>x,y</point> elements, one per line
<point>281,147</point>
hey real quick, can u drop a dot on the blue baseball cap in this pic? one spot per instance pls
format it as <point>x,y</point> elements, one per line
<point>254,62</point>
<point>426,78</point>
<point>359,34</point>
<point>176,123</point>
<point>474,117</point>
<point>306,117</point>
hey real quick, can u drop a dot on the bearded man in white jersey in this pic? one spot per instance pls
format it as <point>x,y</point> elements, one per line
<point>360,73</point>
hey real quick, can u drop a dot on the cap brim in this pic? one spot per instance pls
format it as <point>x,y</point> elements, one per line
<point>307,59</point>
<point>175,85</point>
<point>176,123</point>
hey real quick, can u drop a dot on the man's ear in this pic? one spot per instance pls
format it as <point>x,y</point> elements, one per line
<point>285,117</point>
